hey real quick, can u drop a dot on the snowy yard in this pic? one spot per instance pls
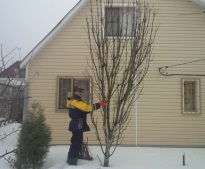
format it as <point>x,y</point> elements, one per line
<point>124,157</point>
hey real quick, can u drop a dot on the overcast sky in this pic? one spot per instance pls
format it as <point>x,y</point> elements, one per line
<point>24,23</point>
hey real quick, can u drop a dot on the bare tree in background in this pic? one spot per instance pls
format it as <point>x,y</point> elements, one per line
<point>121,37</point>
<point>11,97</point>
<point>11,88</point>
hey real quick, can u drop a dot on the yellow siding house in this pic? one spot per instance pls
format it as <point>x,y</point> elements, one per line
<point>169,112</point>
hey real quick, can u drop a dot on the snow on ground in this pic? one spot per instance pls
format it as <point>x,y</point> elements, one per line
<point>123,158</point>
<point>132,158</point>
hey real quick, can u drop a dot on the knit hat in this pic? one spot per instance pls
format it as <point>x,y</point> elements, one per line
<point>77,88</point>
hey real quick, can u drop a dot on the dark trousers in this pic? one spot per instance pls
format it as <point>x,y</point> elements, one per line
<point>76,144</point>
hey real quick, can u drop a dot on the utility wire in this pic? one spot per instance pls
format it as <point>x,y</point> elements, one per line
<point>184,63</point>
<point>162,69</point>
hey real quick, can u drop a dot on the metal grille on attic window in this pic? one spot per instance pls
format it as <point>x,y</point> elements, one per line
<point>190,96</point>
<point>119,21</point>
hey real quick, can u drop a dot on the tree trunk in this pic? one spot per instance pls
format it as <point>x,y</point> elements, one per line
<point>107,156</point>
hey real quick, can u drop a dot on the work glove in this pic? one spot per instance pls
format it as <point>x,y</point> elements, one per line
<point>102,103</point>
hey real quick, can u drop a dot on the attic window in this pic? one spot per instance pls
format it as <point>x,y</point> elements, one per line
<point>119,21</point>
<point>65,89</point>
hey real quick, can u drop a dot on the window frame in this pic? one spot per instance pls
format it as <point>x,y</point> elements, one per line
<point>117,5</point>
<point>73,83</point>
<point>197,96</point>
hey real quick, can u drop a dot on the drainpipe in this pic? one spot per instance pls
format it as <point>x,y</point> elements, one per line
<point>25,101</point>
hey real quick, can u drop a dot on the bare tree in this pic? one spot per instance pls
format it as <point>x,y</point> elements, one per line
<point>11,97</point>
<point>121,38</point>
<point>11,87</point>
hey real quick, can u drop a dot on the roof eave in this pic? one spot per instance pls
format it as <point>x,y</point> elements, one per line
<point>52,33</point>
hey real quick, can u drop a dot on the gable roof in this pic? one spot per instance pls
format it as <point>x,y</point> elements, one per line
<point>52,33</point>
<point>61,24</point>
<point>13,71</point>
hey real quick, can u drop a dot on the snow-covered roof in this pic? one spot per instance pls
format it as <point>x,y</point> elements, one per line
<point>12,81</point>
<point>61,24</point>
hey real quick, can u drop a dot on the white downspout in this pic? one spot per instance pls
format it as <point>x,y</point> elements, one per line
<point>25,101</point>
<point>25,95</point>
<point>136,134</point>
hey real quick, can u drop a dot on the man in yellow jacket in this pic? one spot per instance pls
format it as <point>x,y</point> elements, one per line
<point>78,110</point>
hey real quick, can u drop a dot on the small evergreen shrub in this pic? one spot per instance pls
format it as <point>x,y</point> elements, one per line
<point>34,140</point>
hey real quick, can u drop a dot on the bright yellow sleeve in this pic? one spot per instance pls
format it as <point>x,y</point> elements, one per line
<point>79,105</point>
<point>68,103</point>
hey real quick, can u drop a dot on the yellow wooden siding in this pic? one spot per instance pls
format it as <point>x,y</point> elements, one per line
<point>181,38</point>
<point>64,55</point>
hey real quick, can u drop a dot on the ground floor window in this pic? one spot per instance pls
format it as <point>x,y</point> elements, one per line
<point>65,89</point>
<point>191,96</point>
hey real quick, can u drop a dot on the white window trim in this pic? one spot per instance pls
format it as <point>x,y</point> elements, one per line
<point>103,17</point>
<point>198,97</point>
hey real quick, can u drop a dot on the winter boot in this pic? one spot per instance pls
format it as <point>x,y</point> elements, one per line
<point>71,160</point>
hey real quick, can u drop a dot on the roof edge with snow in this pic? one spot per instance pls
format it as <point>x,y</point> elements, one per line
<point>52,33</point>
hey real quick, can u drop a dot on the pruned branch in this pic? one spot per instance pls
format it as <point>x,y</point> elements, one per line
<point>8,159</point>
<point>13,131</point>
<point>6,153</point>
